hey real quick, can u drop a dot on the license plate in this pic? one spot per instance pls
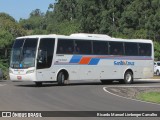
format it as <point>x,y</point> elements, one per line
<point>19,77</point>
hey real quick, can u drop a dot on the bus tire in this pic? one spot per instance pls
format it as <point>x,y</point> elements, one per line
<point>128,77</point>
<point>157,72</point>
<point>38,84</point>
<point>61,78</point>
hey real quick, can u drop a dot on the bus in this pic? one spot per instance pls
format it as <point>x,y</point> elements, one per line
<point>80,56</point>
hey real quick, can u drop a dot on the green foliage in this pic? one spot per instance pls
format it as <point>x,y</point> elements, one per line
<point>65,28</point>
<point>4,66</point>
<point>7,23</point>
<point>150,97</point>
<point>5,38</point>
<point>9,30</point>
<point>36,21</point>
<point>157,50</point>
<point>6,16</point>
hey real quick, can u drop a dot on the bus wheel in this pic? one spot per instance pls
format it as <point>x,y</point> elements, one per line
<point>61,78</point>
<point>128,77</point>
<point>38,84</point>
<point>157,72</point>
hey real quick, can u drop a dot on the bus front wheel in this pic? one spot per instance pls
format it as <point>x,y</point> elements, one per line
<point>128,77</point>
<point>61,78</point>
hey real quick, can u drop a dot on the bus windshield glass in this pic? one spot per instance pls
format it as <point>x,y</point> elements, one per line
<point>23,53</point>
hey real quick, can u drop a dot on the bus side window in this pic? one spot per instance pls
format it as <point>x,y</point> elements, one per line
<point>148,53</point>
<point>65,46</point>
<point>76,49</point>
<point>69,50</point>
<point>116,48</point>
<point>115,51</point>
<point>83,47</point>
<point>100,48</point>
<point>60,50</point>
<point>131,49</point>
<point>144,49</point>
<point>142,52</point>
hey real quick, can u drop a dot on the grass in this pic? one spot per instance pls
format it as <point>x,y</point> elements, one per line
<point>156,77</point>
<point>149,97</point>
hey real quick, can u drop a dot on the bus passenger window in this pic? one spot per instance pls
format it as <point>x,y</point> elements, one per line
<point>116,48</point>
<point>131,49</point>
<point>100,48</point>
<point>76,49</point>
<point>65,46</point>
<point>60,50</point>
<point>69,50</point>
<point>115,52</point>
<point>145,49</point>
<point>142,52</point>
<point>84,47</point>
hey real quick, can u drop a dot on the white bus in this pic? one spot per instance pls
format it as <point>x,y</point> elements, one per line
<point>58,58</point>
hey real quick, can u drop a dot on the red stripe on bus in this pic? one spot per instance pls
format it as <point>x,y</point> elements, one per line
<point>85,60</point>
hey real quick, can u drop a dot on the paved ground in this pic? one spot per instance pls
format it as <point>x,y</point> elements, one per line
<point>77,96</point>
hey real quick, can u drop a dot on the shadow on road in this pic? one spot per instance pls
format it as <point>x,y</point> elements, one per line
<point>146,82</point>
<point>3,81</point>
<point>33,85</point>
<point>115,83</point>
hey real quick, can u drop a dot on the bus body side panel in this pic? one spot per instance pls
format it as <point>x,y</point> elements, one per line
<point>104,69</point>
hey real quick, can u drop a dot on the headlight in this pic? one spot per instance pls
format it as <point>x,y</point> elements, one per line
<point>29,71</point>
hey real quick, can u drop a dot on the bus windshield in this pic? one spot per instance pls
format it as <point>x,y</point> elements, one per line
<point>23,53</point>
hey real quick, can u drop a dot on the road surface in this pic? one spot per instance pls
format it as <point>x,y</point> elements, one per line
<point>77,96</point>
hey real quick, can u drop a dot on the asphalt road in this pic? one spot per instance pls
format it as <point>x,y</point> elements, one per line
<point>77,96</point>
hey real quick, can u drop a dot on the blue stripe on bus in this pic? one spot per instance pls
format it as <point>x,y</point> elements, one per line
<point>75,59</point>
<point>94,61</point>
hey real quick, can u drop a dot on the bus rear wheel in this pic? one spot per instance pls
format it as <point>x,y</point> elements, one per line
<point>61,78</point>
<point>128,77</point>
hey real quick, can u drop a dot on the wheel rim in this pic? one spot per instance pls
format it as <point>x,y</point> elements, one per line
<point>128,77</point>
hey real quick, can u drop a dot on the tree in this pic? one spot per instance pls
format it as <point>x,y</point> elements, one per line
<point>5,38</point>
<point>36,23</point>
<point>36,12</point>
<point>9,24</point>
<point>9,30</point>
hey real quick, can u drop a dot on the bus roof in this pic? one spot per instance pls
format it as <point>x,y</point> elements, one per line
<point>85,36</point>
